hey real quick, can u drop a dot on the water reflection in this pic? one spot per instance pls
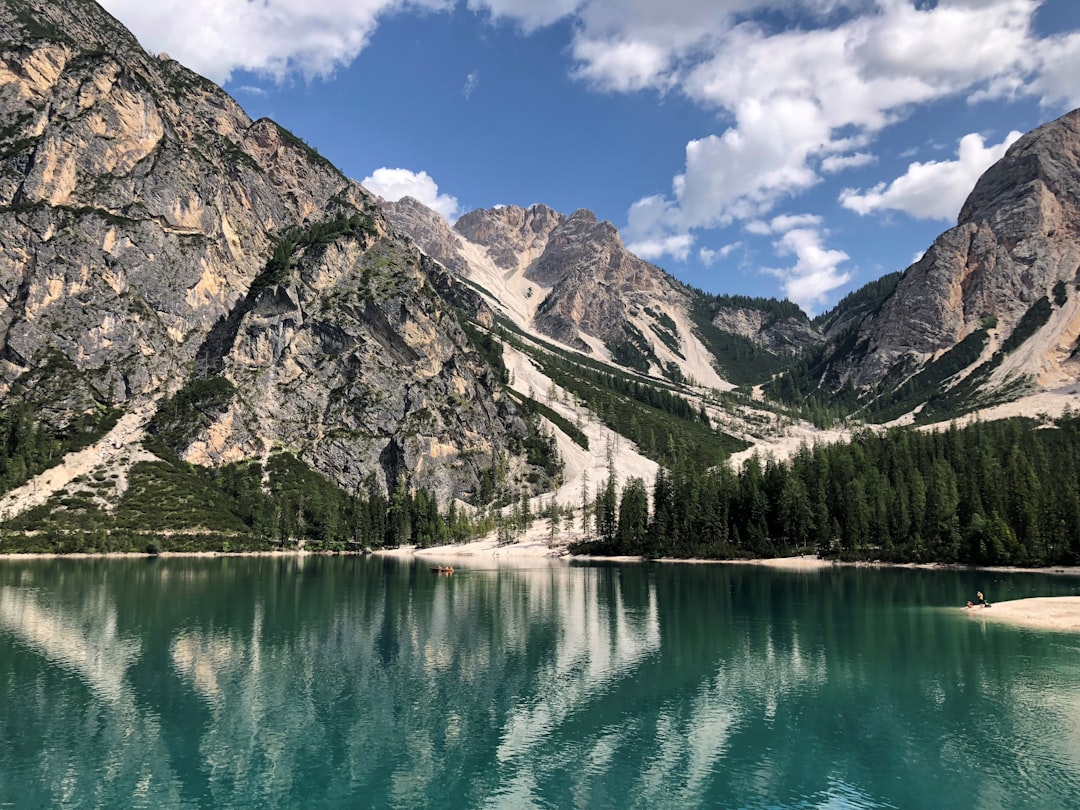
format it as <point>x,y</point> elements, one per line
<point>328,682</point>
<point>104,726</point>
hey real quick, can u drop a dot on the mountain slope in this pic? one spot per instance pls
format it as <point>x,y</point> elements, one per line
<point>155,242</point>
<point>570,278</point>
<point>1008,269</point>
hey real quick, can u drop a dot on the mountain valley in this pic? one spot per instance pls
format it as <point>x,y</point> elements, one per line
<point>209,334</point>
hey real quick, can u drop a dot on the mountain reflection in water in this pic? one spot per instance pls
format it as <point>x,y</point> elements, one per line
<point>333,682</point>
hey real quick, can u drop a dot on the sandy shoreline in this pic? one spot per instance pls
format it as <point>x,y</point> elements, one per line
<point>1040,613</point>
<point>535,546</point>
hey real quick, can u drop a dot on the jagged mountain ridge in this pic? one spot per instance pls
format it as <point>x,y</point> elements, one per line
<point>570,278</point>
<point>991,304</point>
<point>141,214</point>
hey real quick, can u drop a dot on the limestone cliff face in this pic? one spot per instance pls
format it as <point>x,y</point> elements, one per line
<point>429,230</point>
<point>597,286</point>
<point>783,336</point>
<point>139,204</point>
<point>514,237</point>
<point>1016,239</point>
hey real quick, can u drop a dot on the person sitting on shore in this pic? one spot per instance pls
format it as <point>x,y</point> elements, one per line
<point>968,606</point>
<point>982,600</point>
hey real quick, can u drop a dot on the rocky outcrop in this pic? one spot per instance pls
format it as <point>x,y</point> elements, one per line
<point>429,230</point>
<point>514,237</point>
<point>1016,239</point>
<point>784,336</point>
<point>143,217</point>
<point>597,285</point>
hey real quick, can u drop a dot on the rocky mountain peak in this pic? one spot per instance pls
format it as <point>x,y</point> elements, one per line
<point>1015,245</point>
<point>1036,183</point>
<point>514,236</point>
<point>430,230</point>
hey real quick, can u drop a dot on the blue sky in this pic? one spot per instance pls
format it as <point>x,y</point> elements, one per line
<point>796,148</point>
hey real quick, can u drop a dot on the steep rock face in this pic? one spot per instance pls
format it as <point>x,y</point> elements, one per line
<point>514,236</point>
<point>354,363</point>
<point>137,201</point>
<point>139,212</point>
<point>429,230</point>
<point>596,284</point>
<point>1017,237</point>
<point>779,336</point>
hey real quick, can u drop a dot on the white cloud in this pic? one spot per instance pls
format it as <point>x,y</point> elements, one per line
<point>275,37</point>
<point>1059,66</point>
<point>935,189</point>
<point>708,256</point>
<point>621,65</point>
<point>838,163</point>
<point>393,184</point>
<point>782,224</point>
<point>652,248</point>
<point>816,269</point>
<point>529,14</point>
<point>807,97</point>
<point>471,81</point>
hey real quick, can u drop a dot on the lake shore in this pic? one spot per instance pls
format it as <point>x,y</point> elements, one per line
<point>1040,613</point>
<point>536,545</point>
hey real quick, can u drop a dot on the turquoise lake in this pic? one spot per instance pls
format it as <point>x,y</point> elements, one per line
<point>325,682</point>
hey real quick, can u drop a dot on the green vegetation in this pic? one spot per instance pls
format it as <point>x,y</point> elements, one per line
<point>866,300</point>
<point>28,447</point>
<point>663,424</point>
<point>531,407</point>
<point>741,361</point>
<point>992,493</point>
<point>174,506</point>
<point>634,351</point>
<point>278,269</point>
<point>1032,321</point>
<point>776,309</point>
<point>487,346</point>
<point>926,385</point>
<point>191,410</point>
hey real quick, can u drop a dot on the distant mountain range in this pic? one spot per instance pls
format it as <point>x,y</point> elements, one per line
<point>225,295</point>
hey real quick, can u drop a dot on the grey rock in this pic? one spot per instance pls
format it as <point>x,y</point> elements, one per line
<point>139,206</point>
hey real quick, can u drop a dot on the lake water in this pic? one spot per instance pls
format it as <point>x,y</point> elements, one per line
<point>351,682</point>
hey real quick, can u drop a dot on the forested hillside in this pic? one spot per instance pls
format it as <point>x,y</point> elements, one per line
<point>994,493</point>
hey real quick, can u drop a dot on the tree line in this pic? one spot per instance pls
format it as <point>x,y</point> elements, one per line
<point>995,493</point>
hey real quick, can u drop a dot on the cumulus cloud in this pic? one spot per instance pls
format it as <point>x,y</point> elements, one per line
<point>1059,66</point>
<point>623,66</point>
<point>816,270</point>
<point>275,37</point>
<point>806,102</point>
<point>838,163</point>
<point>393,184</point>
<point>708,256</point>
<point>652,248</point>
<point>935,189</point>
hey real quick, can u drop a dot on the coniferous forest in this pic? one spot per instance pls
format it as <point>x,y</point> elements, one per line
<point>995,493</point>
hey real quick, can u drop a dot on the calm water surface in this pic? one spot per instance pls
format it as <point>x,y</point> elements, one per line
<point>349,682</point>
